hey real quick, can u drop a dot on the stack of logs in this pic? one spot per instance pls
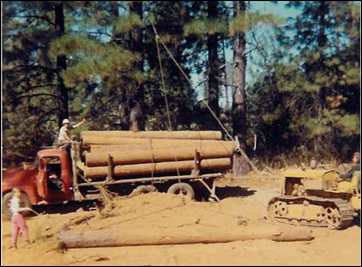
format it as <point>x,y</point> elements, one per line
<point>152,153</point>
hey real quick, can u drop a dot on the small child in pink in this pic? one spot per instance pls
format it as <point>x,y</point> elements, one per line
<point>17,219</point>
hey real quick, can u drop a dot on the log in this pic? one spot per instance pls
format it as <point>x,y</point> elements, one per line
<point>152,145</point>
<point>198,135</point>
<point>115,238</point>
<point>103,140</point>
<point>219,150</point>
<point>109,148</point>
<point>158,168</point>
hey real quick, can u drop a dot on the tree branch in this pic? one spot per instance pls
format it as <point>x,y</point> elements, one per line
<point>38,94</point>
<point>46,18</point>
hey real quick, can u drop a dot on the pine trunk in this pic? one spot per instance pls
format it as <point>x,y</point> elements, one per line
<point>239,102</point>
<point>159,155</point>
<point>112,238</point>
<point>213,63</point>
<point>151,169</point>
<point>136,119</point>
<point>197,135</point>
<point>322,39</point>
<point>61,64</point>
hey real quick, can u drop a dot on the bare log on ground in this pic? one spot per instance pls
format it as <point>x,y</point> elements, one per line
<point>108,238</point>
<point>152,142</point>
<point>219,150</point>
<point>159,168</point>
<point>197,135</point>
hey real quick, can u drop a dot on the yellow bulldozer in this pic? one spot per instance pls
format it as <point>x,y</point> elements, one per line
<point>317,197</point>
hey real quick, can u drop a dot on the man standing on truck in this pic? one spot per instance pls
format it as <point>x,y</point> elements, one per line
<point>64,138</point>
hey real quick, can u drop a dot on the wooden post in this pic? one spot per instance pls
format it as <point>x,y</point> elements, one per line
<point>109,169</point>
<point>197,159</point>
<point>237,162</point>
<point>75,157</point>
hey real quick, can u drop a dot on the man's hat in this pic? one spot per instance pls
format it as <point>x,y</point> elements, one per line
<point>65,121</point>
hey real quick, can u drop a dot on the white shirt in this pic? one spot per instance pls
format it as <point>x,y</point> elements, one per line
<point>64,134</point>
<point>14,205</point>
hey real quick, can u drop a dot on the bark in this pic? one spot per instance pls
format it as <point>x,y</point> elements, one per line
<point>159,155</point>
<point>109,238</point>
<point>127,147</point>
<point>136,34</point>
<point>322,40</point>
<point>136,44</point>
<point>198,135</point>
<point>61,64</point>
<point>239,99</point>
<point>239,105</point>
<point>136,117</point>
<point>149,169</point>
<point>213,63</point>
<point>104,140</point>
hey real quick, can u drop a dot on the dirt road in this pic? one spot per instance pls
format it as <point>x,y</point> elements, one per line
<point>243,205</point>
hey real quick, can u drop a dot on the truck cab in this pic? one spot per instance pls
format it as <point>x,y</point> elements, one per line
<point>54,177</point>
<point>37,183</point>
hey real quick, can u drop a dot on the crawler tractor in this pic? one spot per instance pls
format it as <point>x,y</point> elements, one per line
<point>316,197</point>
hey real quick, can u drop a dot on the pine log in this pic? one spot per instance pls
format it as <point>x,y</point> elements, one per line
<point>198,135</point>
<point>219,150</point>
<point>155,145</point>
<point>109,238</point>
<point>148,169</point>
<point>109,148</point>
<point>104,140</point>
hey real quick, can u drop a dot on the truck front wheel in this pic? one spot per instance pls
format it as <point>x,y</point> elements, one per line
<point>24,203</point>
<point>183,189</point>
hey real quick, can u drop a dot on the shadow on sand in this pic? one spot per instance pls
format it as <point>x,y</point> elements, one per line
<point>72,206</point>
<point>357,220</point>
<point>233,191</point>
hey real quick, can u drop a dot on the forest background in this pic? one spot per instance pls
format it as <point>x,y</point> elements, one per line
<point>282,76</point>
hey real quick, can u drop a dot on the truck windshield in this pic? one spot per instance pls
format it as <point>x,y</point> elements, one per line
<point>36,162</point>
<point>53,171</point>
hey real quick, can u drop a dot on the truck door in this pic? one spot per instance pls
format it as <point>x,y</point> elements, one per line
<point>41,180</point>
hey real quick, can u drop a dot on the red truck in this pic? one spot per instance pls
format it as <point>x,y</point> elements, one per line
<point>36,185</point>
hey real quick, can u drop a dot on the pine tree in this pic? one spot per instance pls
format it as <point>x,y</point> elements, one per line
<point>318,90</point>
<point>35,96</point>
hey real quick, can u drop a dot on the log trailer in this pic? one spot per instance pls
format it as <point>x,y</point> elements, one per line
<point>79,184</point>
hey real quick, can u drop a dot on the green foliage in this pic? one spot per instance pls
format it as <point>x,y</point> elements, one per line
<point>248,20</point>
<point>315,127</point>
<point>318,92</point>
<point>201,26</point>
<point>350,124</point>
<point>307,98</point>
<point>91,58</point>
<point>127,23</point>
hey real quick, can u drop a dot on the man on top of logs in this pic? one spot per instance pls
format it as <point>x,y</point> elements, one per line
<point>64,139</point>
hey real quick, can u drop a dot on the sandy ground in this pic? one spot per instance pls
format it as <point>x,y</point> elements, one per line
<point>243,207</point>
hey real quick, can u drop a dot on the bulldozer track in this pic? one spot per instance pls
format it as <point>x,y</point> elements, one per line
<point>344,208</point>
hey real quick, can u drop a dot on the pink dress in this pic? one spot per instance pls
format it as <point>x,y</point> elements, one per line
<point>17,221</point>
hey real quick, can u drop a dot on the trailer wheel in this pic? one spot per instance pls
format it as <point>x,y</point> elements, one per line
<point>24,203</point>
<point>182,189</point>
